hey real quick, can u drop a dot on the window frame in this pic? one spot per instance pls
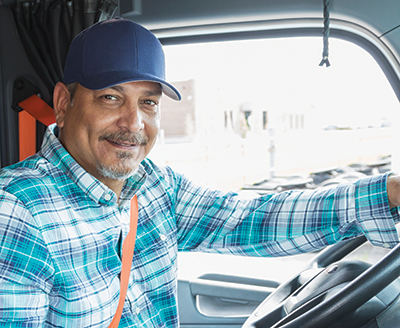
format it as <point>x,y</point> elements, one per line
<point>340,29</point>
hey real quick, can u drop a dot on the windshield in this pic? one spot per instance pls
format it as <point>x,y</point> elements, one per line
<point>239,95</point>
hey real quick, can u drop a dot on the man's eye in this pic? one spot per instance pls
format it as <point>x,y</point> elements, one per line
<point>150,102</point>
<point>109,97</point>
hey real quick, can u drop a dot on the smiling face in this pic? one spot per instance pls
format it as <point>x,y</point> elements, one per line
<point>109,131</point>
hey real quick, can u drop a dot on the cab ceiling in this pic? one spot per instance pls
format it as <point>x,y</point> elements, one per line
<point>380,17</point>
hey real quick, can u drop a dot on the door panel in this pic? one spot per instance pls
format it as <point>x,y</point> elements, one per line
<point>215,300</point>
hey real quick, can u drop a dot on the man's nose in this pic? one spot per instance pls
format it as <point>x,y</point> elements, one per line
<point>132,119</point>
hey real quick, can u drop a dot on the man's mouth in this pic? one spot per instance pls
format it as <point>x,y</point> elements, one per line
<point>124,139</point>
<point>123,144</point>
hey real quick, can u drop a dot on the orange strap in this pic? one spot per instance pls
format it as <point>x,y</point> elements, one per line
<point>39,109</point>
<point>34,108</point>
<point>128,248</point>
<point>27,135</point>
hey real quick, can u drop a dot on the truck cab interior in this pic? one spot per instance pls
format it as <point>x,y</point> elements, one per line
<point>332,289</point>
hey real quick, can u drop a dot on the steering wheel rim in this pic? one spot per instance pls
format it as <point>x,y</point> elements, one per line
<point>355,294</point>
<point>336,252</point>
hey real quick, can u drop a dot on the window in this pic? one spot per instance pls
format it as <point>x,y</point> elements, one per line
<point>256,109</point>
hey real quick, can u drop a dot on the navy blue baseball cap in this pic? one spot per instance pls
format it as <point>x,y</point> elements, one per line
<point>116,51</point>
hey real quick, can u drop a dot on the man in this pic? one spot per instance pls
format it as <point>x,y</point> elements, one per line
<point>64,212</point>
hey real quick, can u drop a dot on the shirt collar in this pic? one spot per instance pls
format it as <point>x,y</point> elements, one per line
<point>57,155</point>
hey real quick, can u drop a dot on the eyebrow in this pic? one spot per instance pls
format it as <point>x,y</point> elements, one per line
<point>147,93</point>
<point>117,88</point>
<point>154,93</point>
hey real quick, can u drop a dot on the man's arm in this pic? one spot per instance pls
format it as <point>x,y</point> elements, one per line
<point>25,267</point>
<point>22,305</point>
<point>285,223</point>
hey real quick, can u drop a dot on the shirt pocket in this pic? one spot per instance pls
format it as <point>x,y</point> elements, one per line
<point>155,260</point>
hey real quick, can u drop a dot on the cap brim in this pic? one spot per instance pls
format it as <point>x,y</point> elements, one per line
<point>109,79</point>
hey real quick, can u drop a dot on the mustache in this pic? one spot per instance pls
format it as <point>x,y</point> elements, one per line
<point>125,137</point>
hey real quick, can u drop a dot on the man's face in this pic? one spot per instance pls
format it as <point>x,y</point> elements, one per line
<point>110,131</point>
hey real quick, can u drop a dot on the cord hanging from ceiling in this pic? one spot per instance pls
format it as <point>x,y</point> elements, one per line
<point>325,52</point>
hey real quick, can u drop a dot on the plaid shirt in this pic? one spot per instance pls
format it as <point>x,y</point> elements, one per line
<point>60,231</point>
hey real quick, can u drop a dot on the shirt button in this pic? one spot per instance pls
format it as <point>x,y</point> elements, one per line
<point>163,237</point>
<point>386,245</point>
<point>107,197</point>
<point>137,310</point>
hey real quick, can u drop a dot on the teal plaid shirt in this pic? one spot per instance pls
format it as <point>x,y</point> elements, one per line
<point>60,232</point>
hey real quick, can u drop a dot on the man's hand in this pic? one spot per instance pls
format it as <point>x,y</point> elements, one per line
<point>393,190</point>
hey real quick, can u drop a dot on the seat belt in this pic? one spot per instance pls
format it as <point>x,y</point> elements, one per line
<point>39,109</point>
<point>128,248</point>
<point>26,135</point>
<point>34,108</point>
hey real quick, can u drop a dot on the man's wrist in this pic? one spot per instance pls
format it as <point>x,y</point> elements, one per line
<point>393,190</point>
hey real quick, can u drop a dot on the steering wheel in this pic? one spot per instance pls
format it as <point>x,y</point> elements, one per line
<point>335,289</point>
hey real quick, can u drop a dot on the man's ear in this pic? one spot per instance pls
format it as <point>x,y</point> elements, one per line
<point>61,101</point>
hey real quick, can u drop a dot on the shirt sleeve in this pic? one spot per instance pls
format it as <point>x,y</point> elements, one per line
<point>285,223</point>
<point>375,218</point>
<point>26,269</point>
